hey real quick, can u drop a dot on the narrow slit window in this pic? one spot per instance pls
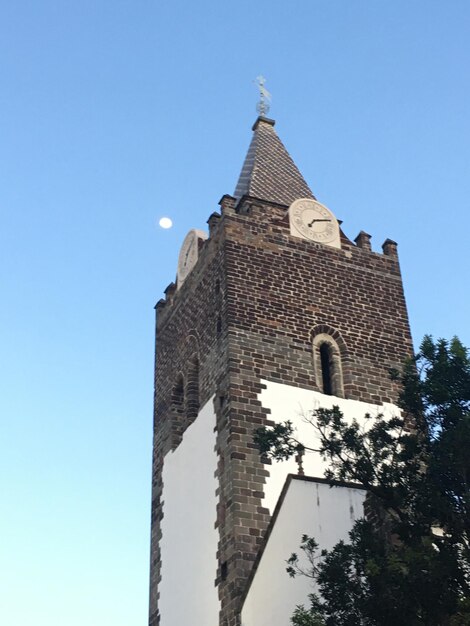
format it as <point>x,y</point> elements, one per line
<point>325,359</point>
<point>177,397</point>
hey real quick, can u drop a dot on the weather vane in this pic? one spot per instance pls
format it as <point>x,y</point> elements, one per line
<point>264,96</point>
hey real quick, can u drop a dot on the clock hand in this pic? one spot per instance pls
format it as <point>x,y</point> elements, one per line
<point>187,252</point>
<point>315,220</point>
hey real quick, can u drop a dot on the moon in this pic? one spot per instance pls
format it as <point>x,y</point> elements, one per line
<point>165,222</point>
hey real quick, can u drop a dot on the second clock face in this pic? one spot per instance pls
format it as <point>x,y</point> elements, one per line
<point>189,254</point>
<point>311,220</point>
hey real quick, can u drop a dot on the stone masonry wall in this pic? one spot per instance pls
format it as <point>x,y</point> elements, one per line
<point>248,309</point>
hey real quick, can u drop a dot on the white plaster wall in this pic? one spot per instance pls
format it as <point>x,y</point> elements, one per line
<point>292,403</point>
<point>310,508</point>
<point>189,539</point>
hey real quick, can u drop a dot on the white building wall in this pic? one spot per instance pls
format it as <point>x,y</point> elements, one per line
<point>292,403</point>
<point>189,539</point>
<point>325,513</point>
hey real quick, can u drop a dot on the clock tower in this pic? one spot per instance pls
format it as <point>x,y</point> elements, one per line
<point>274,311</point>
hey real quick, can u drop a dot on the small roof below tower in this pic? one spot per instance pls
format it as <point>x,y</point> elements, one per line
<point>268,172</point>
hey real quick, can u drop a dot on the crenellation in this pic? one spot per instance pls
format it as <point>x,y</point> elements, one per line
<point>363,241</point>
<point>389,248</point>
<point>227,205</point>
<point>213,222</point>
<point>169,292</point>
<point>159,306</point>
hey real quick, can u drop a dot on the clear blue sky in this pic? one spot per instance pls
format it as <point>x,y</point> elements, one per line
<point>114,113</point>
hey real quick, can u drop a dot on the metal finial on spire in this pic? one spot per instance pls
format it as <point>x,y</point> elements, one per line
<point>264,97</point>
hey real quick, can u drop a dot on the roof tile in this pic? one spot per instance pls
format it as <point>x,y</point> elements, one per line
<point>268,172</point>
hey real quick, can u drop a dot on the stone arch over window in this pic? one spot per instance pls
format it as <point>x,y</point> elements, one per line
<point>192,387</point>
<point>329,351</point>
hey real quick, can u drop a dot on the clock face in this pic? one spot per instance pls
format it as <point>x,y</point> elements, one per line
<point>189,254</point>
<point>311,220</point>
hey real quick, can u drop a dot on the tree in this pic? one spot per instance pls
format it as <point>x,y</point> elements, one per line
<point>408,561</point>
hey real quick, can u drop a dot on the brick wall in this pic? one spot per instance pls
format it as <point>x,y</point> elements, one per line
<point>248,310</point>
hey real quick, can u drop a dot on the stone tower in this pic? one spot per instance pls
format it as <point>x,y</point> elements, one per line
<point>273,310</point>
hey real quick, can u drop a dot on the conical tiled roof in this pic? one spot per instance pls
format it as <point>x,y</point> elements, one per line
<point>268,172</point>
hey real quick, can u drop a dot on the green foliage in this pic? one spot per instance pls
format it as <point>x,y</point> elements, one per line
<point>302,617</point>
<point>411,567</point>
<point>278,442</point>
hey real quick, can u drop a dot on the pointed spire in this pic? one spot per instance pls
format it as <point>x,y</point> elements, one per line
<point>268,172</point>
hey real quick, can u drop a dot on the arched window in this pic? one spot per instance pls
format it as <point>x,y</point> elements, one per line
<point>327,361</point>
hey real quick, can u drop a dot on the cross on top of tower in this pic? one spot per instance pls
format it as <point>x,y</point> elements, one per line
<point>264,96</point>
